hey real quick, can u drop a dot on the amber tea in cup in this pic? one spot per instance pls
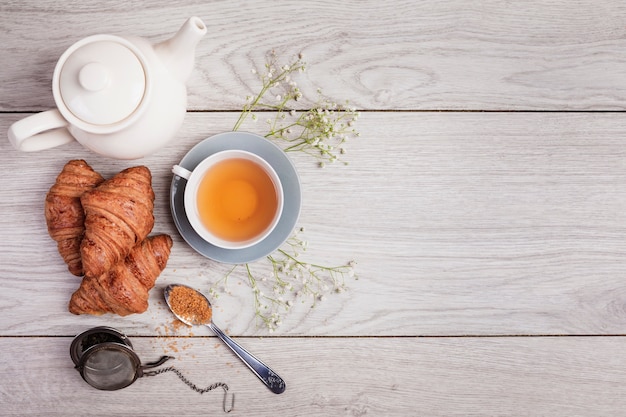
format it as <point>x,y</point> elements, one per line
<point>233,199</point>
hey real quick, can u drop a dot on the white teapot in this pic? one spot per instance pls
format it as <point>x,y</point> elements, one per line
<point>118,96</point>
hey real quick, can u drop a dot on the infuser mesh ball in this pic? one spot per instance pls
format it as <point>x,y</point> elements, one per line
<point>109,366</point>
<point>105,359</point>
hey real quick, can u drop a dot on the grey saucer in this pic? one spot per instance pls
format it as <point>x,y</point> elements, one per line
<point>289,180</point>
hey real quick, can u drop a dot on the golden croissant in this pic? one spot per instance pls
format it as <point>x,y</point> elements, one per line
<point>124,289</point>
<point>64,212</point>
<point>118,216</point>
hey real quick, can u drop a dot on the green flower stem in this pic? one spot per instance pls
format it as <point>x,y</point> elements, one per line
<point>248,108</point>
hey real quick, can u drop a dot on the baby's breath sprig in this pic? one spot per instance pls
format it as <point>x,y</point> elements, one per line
<point>321,131</point>
<point>290,281</point>
<point>273,76</point>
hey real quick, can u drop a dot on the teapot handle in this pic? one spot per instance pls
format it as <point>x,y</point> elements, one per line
<point>39,131</point>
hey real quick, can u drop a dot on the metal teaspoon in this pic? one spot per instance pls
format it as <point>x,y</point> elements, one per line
<point>274,382</point>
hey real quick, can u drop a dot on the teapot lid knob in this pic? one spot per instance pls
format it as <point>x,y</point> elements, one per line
<point>100,82</point>
<point>93,76</point>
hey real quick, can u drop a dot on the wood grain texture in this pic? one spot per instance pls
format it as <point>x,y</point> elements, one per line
<point>460,224</point>
<point>488,55</point>
<point>341,377</point>
<point>489,244</point>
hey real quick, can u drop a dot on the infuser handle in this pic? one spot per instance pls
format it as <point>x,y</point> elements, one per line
<point>153,365</point>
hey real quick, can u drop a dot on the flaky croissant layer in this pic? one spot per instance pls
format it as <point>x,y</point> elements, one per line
<point>118,215</point>
<point>124,288</point>
<point>64,212</point>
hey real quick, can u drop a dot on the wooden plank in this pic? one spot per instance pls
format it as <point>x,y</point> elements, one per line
<point>490,55</point>
<point>460,224</point>
<point>334,376</point>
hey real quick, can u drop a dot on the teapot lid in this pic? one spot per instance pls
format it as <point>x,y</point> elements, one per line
<point>100,80</point>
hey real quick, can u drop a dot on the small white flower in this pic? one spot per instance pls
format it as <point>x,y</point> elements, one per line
<point>293,112</point>
<point>253,71</point>
<point>279,97</point>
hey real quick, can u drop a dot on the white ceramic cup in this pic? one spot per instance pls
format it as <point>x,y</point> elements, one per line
<point>194,179</point>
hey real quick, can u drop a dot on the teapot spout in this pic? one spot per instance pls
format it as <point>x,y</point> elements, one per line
<point>178,52</point>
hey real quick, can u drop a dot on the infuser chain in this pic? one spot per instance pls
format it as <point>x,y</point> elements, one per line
<point>194,386</point>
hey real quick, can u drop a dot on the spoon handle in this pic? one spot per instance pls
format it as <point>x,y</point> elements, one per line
<point>274,382</point>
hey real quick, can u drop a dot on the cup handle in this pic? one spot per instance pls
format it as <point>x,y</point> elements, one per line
<point>181,172</point>
<point>39,131</point>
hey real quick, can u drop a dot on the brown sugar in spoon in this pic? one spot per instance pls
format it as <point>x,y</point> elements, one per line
<point>193,308</point>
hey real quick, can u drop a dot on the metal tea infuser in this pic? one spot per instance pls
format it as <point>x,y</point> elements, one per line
<point>106,360</point>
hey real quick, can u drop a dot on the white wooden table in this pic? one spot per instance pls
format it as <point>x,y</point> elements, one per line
<point>484,205</point>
